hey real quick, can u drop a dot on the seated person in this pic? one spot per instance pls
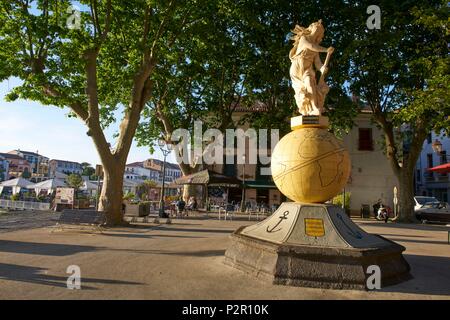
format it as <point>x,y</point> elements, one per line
<point>180,206</point>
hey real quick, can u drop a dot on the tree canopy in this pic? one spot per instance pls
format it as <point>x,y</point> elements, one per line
<point>95,60</point>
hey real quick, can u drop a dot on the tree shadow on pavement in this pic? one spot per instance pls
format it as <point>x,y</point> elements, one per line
<point>201,253</point>
<point>413,226</point>
<point>400,235</point>
<point>431,276</point>
<point>147,236</point>
<point>37,275</point>
<point>165,228</point>
<point>424,242</point>
<point>47,249</point>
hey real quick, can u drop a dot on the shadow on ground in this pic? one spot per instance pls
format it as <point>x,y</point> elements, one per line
<point>413,226</point>
<point>424,242</point>
<point>165,228</point>
<point>436,281</point>
<point>147,236</point>
<point>47,249</point>
<point>38,275</point>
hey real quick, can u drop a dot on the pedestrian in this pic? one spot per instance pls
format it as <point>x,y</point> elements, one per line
<point>180,206</point>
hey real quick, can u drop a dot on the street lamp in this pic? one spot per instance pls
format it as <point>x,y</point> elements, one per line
<point>437,148</point>
<point>243,185</point>
<point>166,147</point>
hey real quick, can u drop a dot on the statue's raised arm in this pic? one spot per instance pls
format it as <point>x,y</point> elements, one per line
<point>305,59</point>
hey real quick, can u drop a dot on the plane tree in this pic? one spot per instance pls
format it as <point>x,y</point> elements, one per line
<point>401,72</point>
<point>94,60</point>
<point>202,78</point>
<point>240,60</point>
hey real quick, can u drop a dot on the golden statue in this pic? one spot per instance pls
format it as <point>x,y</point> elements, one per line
<point>305,59</point>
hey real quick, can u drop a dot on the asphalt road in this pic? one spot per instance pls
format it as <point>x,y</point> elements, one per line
<point>19,220</point>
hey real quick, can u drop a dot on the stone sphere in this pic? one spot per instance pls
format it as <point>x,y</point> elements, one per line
<point>310,165</point>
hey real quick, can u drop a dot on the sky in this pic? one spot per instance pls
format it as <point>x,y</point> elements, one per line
<point>30,126</point>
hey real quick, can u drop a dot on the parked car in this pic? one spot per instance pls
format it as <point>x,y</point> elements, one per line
<point>421,201</point>
<point>434,212</point>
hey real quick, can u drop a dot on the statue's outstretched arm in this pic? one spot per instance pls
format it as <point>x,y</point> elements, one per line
<point>312,46</point>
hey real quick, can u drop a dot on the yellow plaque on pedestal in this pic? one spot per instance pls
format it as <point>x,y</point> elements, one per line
<point>314,227</point>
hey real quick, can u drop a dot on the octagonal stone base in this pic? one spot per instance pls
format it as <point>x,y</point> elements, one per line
<point>315,245</point>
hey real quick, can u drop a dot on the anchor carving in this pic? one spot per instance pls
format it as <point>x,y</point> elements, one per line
<point>282,217</point>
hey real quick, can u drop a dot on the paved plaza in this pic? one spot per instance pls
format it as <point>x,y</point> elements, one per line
<point>184,260</point>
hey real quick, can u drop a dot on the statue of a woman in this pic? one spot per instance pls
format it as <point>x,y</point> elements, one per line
<point>305,59</point>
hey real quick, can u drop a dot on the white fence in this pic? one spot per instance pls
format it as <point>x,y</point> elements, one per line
<point>25,205</point>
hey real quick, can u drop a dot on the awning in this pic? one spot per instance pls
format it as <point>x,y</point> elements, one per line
<point>16,184</point>
<point>260,184</point>
<point>443,168</point>
<point>210,178</point>
<point>48,185</point>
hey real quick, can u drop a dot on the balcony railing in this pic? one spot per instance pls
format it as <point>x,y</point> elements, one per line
<point>24,205</point>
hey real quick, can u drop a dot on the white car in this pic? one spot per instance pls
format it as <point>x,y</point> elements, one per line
<point>430,209</point>
<point>422,201</point>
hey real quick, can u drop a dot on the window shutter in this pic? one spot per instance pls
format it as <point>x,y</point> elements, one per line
<point>365,142</point>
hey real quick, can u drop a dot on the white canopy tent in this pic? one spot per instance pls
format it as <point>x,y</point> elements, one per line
<point>49,185</point>
<point>16,184</point>
<point>88,186</point>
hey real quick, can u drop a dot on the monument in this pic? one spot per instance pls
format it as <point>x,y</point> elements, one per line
<point>309,242</point>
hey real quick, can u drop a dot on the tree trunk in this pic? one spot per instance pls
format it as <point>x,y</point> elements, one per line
<point>189,190</point>
<point>404,172</point>
<point>112,193</point>
<point>406,195</point>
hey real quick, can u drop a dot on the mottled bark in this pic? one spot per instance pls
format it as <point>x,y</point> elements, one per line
<point>406,196</point>
<point>404,171</point>
<point>111,195</point>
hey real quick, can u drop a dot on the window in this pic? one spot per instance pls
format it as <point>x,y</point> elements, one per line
<point>429,174</point>
<point>429,138</point>
<point>365,142</point>
<point>430,160</point>
<point>443,157</point>
<point>418,177</point>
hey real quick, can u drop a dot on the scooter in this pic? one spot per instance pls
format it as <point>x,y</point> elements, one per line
<point>383,214</point>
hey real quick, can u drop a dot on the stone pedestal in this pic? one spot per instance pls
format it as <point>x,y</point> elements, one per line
<point>315,245</point>
<point>309,122</point>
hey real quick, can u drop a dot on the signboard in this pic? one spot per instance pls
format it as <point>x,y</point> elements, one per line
<point>64,195</point>
<point>314,227</point>
<point>99,170</point>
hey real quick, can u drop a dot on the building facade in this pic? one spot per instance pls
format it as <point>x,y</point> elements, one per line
<point>371,176</point>
<point>259,186</point>
<point>17,166</point>
<point>34,159</point>
<point>428,183</point>
<point>4,168</point>
<point>63,166</point>
<point>151,169</point>
<point>38,163</point>
<point>136,171</point>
